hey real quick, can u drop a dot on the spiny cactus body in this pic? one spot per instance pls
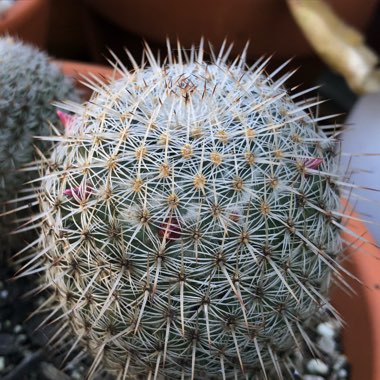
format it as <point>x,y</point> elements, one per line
<point>191,221</point>
<point>29,83</point>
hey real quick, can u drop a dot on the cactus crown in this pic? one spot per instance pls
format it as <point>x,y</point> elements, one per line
<point>29,83</point>
<point>191,220</point>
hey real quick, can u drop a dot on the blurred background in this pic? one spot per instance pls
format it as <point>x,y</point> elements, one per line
<point>84,30</point>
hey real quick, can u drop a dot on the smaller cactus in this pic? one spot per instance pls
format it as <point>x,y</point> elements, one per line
<point>29,83</point>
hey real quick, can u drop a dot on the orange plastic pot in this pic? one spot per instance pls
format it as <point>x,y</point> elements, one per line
<point>361,312</point>
<point>28,20</point>
<point>80,70</point>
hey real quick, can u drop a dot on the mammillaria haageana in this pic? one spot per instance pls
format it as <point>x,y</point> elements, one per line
<point>191,220</point>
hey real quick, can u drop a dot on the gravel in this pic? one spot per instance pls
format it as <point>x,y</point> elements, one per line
<point>329,362</point>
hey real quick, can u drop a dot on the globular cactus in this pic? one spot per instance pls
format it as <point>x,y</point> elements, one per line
<point>191,220</point>
<point>29,83</point>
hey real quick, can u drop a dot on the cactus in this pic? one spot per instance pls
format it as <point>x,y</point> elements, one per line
<point>191,220</point>
<point>29,83</point>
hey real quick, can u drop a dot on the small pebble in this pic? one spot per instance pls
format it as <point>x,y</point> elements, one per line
<point>326,344</point>
<point>342,374</point>
<point>2,363</point>
<point>22,338</point>
<point>40,301</point>
<point>326,329</point>
<point>4,293</point>
<point>340,361</point>
<point>317,366</point>
<point>296,375</point>
<point>17,329</point>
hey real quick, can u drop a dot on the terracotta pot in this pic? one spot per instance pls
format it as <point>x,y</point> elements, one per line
<point>79,70</point>
<point>266,23</point>
<point>28,20</point>
<point>361,335</point>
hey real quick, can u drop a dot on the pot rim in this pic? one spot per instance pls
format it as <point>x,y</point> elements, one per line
<point>79,69</point>
<point>17,13</point>
<point>364,263</point>
<point>81,72</point>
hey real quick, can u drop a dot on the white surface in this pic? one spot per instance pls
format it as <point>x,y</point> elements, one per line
<point>362,137</point>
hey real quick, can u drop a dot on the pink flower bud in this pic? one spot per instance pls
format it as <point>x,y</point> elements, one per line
<point>78,192</point>
<point>66,120</point>
<point>313,163</point>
